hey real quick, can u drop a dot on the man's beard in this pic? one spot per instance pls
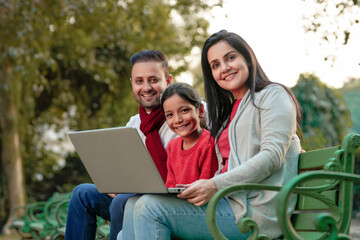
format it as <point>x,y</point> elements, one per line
<point>150,105</point>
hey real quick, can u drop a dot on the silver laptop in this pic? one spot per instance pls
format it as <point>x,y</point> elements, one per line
<point>118,161</point>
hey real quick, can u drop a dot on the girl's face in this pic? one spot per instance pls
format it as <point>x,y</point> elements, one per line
<point>229,68</point>
<point>182,117</point>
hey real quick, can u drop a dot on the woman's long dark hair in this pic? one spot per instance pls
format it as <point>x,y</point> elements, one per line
<point>220,101</point>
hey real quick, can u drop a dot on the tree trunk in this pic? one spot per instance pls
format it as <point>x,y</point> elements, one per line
<point>10,149</point>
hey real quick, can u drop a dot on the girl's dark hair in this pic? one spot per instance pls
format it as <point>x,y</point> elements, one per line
<point>221,100</point>
<point>186,92</point>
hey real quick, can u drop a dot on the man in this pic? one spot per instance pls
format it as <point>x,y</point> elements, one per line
<point>149,78</point>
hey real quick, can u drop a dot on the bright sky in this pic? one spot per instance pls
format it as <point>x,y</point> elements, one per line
<point>274,30</point>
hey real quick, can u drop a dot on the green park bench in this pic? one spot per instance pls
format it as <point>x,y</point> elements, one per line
<point>103,229</point>
<point>21,219</point>
<point>60,218</point>
<point>38,220</point>
<point>47,219</point>
<point>324,188</point>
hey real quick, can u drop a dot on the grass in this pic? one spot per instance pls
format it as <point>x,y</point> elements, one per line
<point>9,237</point>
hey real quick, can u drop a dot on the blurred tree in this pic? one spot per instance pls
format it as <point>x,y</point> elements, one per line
<point>351,90</point>
<point>326,119</point>
<point>10,90</point>
<point>198,82</point>
<point>64,64</point>
<point>333,22</point>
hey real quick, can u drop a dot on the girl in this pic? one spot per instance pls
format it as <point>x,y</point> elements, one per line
<point>192,155</point>
<point>254,122</point>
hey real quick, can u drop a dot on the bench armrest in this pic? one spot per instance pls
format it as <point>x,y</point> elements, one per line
<point>245,224</point>
<point>61,213</point>
<point>35,211</point>
<point>325,222</point>
<point>338,174</point>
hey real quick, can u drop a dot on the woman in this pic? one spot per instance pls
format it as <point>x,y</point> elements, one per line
<point>254,122</point>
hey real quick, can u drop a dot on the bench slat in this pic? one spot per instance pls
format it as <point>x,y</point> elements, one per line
<point>316,159</point>
<point>304,221</point>
<point>312,235</point>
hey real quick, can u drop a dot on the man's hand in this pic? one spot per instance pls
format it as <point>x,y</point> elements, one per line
<point>112,194</point>
<point>199,192</point>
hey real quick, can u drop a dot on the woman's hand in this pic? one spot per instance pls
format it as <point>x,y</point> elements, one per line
<point>199,192</point>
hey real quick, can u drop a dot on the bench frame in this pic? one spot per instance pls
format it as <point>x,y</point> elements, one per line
<point>332,222</point>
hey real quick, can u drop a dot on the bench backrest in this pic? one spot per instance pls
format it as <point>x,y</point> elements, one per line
<point>340,159</point>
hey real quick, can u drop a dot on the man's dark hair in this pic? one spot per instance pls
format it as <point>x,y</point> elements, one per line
<point>150,56</point>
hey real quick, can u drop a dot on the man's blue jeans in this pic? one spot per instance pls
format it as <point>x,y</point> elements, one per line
<point>86,204</point>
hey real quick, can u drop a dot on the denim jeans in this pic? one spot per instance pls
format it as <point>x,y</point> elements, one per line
<point>166,216</point>
<point>85,205</point>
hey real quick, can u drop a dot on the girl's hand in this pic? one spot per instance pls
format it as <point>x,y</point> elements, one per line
<point>199,192</point>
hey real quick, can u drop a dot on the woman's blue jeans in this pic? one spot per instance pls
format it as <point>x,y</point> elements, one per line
<point>165,216</point>
<point>85,205</point>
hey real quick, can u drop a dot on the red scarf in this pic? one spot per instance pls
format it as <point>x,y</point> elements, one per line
<point>150,125</point>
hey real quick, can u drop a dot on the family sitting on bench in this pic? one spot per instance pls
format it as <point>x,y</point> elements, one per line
<point>253,138</point>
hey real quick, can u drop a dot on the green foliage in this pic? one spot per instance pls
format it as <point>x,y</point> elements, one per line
<point>351,95</point>
<point>326,118</point>
<point>333,20</point>
<point>350,91</point>
<point>198,82</point>
<point>68,65</point>
<point>61,179</point>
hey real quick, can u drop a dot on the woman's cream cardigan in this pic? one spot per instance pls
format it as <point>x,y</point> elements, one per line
<point>264,148</point>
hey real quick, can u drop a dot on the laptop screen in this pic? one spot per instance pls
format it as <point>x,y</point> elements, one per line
<point>117,160</point>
